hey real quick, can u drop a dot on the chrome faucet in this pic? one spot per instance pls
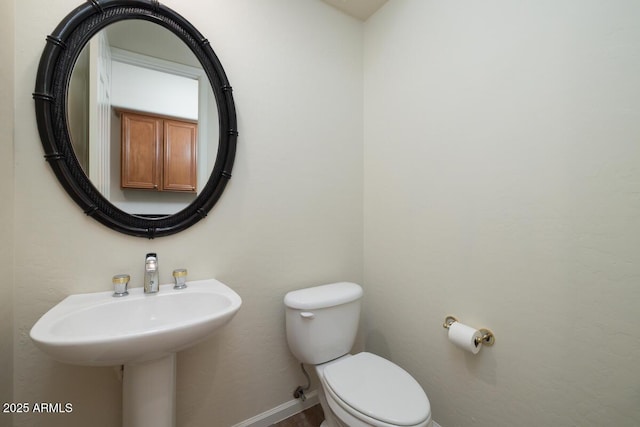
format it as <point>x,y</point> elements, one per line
<point>151,275</point>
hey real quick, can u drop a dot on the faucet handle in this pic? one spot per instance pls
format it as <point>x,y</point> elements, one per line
<point>120,283</point>
<point>180,277</point>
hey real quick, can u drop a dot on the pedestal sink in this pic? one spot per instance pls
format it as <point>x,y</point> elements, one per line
<point>141,331</point>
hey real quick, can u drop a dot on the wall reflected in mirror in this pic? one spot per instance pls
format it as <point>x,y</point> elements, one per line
<point>140,70</point>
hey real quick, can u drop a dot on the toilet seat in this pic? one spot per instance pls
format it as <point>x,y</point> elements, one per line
<point>376,391</point>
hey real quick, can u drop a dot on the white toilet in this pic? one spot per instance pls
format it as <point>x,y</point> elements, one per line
<point>360,390</point>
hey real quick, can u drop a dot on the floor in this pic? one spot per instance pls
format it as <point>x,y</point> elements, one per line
<point>312,417</point>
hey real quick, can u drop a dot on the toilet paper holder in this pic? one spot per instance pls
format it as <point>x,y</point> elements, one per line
<point>487,337</point>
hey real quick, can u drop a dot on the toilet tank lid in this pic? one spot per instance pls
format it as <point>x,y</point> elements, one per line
<point>323,296</point>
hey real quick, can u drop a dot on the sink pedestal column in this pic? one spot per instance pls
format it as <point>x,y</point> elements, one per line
<point>148,393</point>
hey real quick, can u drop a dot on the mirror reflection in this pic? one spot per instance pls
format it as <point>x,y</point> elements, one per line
<point>142,118</point>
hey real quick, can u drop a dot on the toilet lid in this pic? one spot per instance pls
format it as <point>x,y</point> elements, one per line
<point>379,389</point>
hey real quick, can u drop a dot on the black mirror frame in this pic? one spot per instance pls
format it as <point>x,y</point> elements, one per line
<point>52,83</point>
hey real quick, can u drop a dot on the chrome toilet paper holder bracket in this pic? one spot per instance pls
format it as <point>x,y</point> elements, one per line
<point>486,338</point>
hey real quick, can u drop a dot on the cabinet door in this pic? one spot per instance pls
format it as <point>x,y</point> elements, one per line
<point>179,156</point>
<point>141,151</point>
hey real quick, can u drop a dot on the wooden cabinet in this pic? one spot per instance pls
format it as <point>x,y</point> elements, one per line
<point>158,153</point>
<point>179,156</point>
<point>142,140</point>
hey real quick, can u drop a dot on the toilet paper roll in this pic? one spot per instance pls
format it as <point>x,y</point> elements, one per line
<point>464,337</point>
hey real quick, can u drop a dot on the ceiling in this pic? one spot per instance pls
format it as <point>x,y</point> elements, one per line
<point>360,9</point>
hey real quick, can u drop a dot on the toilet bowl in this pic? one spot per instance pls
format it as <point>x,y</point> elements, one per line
<point>360,390</point>
<point>367,390</point>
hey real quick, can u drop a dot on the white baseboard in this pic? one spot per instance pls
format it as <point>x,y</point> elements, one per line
<point>281,412</point>
<point>435,424</point>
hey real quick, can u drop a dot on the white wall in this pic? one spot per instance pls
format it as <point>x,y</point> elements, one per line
<point>7,52</point>
<point>290,217</point>
<point>136,88</point>
<point>501,186</point>
<point>501,177</point>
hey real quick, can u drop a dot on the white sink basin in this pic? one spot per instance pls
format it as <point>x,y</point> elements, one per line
<point>97,329</point>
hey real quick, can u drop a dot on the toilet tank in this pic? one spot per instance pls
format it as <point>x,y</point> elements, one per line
<point>322,321</point>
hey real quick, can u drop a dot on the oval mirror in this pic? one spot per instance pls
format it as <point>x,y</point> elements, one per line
<point>136,116</point>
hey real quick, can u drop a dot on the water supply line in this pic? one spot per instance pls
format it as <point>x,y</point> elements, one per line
<point>298,393</point>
